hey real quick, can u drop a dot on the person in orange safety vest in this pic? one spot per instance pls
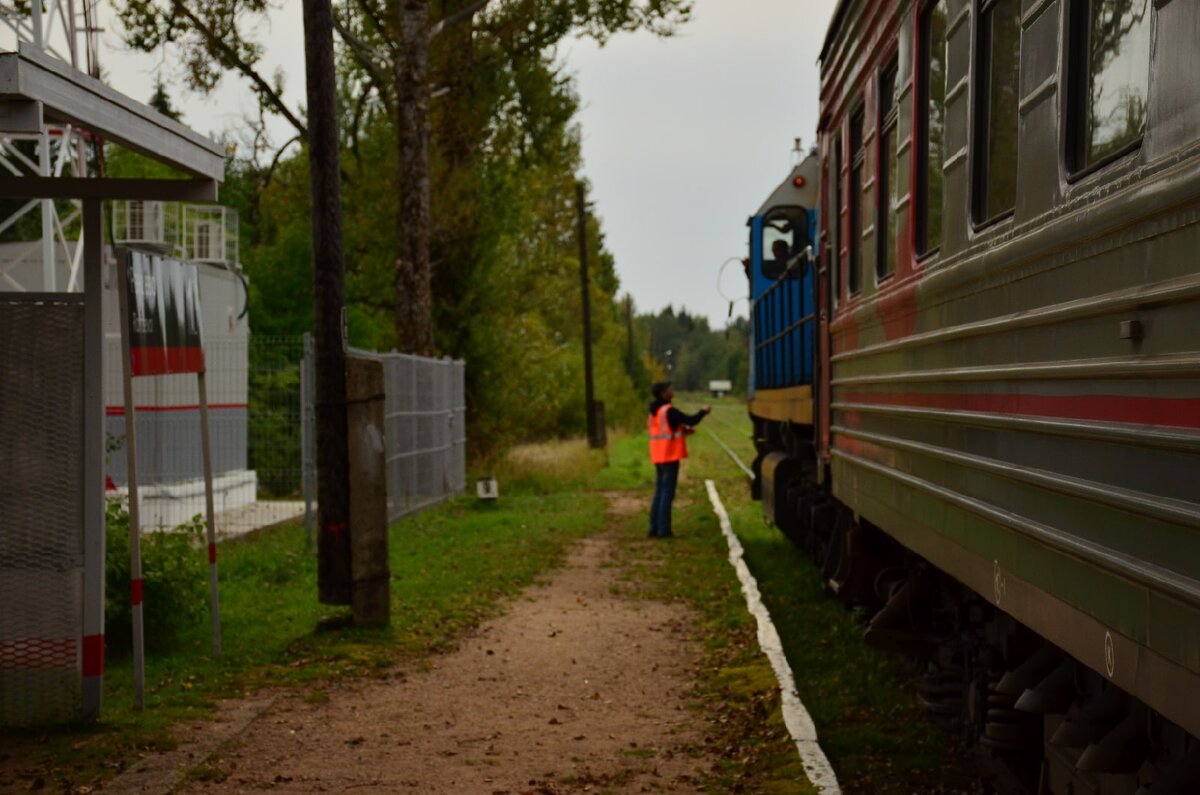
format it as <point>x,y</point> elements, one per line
<point>668,428</point>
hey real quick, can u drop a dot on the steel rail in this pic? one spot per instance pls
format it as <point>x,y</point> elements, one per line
<point>749,472</point>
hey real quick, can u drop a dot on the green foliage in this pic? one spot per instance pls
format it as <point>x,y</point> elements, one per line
<point>174,582</point>
<point>121,162</point>
<point>274,408</point>
<point>871,727</point>
<point>505,163</point>
<point>698,354</point>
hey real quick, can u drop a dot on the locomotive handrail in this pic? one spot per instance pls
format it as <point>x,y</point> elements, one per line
<point>802,321</point>
<point>782,278</point>
<point>781,304</point>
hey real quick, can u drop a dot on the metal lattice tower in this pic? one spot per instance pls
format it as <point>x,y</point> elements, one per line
<point>67,30</point>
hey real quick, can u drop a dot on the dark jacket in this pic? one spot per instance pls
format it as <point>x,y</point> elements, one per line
<point>675,417</point>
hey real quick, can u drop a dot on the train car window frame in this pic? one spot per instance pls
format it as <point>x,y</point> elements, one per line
<point>1080,79</point>
<point>835,227</point>
<point>886,177</point>
<point>858,163</point>
<point>794,219</point>
<point>983,211</point>
<point>926,244</point>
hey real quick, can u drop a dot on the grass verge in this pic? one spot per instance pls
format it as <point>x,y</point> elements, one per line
<point>451,566</point>
<point>736,691</point>
<point>869,723</point>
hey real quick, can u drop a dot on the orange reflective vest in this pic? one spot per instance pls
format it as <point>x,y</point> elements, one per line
<point>665,446</point>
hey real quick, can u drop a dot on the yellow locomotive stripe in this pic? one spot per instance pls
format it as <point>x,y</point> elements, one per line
<point>781,405</point>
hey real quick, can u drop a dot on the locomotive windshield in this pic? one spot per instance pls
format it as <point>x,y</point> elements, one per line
<point>784,235</point>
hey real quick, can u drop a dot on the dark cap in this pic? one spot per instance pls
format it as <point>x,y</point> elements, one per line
<point>658,389</point>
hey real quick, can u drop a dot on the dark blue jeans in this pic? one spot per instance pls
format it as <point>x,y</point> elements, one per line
<point>666,476</point>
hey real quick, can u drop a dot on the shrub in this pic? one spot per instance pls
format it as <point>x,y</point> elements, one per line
<point>174,581</point>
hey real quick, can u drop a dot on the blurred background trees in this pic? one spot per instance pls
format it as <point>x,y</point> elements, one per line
<point>503,160</point>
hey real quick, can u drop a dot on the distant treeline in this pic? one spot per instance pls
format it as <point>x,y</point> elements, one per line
<point>695,353</point>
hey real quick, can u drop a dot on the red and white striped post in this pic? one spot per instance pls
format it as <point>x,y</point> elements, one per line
<point>135,551</point>
<point>210,514</point>
<point>94,449</point>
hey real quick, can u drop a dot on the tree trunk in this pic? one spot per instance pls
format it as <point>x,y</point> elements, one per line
<point>414,298</point>
<point>457,130</point>
<point>333,463</point>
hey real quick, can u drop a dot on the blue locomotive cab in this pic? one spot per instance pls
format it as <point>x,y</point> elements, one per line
<point>782,295</point>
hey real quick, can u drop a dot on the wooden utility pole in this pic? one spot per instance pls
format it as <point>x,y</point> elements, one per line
<point>334,576</point>
<point>588,386</point>
<point>629,360</point>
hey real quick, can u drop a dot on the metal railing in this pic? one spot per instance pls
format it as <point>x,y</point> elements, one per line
<point>783,321</point>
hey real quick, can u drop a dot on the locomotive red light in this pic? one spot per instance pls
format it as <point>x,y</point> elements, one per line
<point>798,182</point>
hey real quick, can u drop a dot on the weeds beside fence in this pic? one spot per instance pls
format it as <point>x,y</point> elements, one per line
<point>274,434</point>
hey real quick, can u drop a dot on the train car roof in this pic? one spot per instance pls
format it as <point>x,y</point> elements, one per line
<point>787,193</point>
<point>839,14</point>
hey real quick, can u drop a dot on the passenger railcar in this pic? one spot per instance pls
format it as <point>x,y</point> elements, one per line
<point>1002,441</point>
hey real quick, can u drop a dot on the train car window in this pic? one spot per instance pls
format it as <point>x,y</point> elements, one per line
<point>885,224</point>
<point>1109,78</point>
<point>998,79</point>
<point>835,220</point>
<point>855,200</point>
<point>785,235</point>
<point>931,127</point>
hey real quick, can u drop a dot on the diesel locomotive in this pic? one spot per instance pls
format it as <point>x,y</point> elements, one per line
<point>976,370</point>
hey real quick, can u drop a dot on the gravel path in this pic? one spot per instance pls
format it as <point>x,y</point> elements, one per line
<point>577,688</point>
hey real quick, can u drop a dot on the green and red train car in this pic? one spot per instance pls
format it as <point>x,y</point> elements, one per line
<point>996,442</point>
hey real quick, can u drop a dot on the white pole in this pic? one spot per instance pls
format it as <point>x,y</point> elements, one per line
<point>39,38</point>
<point>93,470</point>
<point>49,274</point>
<point>206,450</point>
<point>135,552</point>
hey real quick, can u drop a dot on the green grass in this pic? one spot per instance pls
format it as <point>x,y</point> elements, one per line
<point>736,689</point>
<point>451,568</point>
<point>876,736</point>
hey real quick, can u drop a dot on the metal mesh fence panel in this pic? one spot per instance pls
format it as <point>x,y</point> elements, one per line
<point>425,429</point>
<point>41,511</point>
<point>274,439</point>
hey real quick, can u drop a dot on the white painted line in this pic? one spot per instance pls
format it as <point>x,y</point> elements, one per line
<point>795,716</point>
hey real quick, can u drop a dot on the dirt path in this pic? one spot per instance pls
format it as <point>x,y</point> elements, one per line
<point>576,689</point>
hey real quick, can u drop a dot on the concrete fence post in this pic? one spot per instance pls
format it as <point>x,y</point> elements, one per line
<point>368,491</point>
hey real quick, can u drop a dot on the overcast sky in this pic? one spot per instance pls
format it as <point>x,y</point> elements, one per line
<point>683,137</point>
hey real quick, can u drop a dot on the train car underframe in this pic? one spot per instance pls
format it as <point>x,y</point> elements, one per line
<point>1040,721</point>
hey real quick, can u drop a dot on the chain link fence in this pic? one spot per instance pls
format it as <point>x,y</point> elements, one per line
<point>41,511</point>
<point>424,428</point>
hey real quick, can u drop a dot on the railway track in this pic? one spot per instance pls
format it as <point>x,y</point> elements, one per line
<point>729,451</point>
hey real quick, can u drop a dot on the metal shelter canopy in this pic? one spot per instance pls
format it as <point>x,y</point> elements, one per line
<point>36,88</point>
